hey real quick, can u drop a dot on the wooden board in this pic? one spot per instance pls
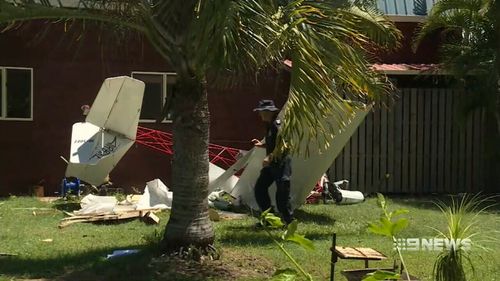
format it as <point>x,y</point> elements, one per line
<point>383,171</point>
<point>412,150</point>
<point>390,150</point>
<point>358,253</point>
<point>362,156</point>
<point>354,162</point>
<point>420,142</point>
<point>398,143</point>
<point>377,180</point>
<point>441,142</point>
<point>369,152</point>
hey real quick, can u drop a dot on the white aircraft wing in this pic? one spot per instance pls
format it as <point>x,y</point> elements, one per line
<point>225,179</point>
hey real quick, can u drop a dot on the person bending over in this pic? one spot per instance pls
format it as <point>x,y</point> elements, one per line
<point>276,167</point>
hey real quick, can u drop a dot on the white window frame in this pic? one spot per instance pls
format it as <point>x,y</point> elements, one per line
<point>164,90</point>
<point>3,94</point>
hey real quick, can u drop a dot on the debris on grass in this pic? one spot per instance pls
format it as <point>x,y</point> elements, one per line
<point>126,214</point>
<point>34,208</point>
<point>94,208</point>
<point>151,218</point>
<point>122,253</point>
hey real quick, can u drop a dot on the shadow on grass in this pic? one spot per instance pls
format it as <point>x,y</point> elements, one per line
<point>241,235</point>
<point>145,265</point>
<point>429,202</point>
<point>304,216</point>
<point>90,265</point>
<point>67,206</point>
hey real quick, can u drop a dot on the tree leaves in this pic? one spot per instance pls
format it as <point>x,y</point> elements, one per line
<point>386,225</point>
<point>290,235</point>
<point>381,275</point>
<point>269,219</point>
<point>287,274</point>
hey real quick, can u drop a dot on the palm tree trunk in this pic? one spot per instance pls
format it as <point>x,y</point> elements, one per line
<point>189,223</point>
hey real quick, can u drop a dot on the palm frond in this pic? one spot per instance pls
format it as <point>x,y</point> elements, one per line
<point>373,24</point>
<point>461,217</point>
<point>452,16</point>
<point>230,38</point>
<point>125,13</point>
<point>327,44</point>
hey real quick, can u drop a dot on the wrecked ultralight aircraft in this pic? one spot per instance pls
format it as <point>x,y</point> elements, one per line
<point>108,132</point>
<point>305,170</point>
<point>111,126</point>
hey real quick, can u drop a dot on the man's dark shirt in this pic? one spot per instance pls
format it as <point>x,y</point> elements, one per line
<point>272,133</point>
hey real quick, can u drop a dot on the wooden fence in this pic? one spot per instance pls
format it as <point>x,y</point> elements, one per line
<point>417,146</point>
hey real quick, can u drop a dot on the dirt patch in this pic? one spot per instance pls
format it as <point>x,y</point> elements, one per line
<point>232,266</point>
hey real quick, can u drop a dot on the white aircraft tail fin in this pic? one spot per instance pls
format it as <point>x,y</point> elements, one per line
<point>117,106</point>
<point>109,131</point>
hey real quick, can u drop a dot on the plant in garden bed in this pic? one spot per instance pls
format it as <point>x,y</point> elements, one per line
<point>389,226</point>
<point>269,222</point>
<point>462,224</point>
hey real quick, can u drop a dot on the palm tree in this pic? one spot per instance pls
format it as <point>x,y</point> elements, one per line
<point>471,53</point>
<point>215,41</point>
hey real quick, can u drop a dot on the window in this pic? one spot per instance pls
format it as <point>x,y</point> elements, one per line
<point>160,88</point>
<point>16,93</point>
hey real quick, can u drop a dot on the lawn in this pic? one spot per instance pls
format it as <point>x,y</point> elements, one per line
<point>78,251</point>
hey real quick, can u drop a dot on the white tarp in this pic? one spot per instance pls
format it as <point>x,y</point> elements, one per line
<point>221,179</point>
<point>109,131</point>
<point>93,204</point>
<point>155,196</point>
<point>305,171</point>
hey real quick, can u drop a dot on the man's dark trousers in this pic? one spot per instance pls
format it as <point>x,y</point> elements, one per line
<point>279,172</point>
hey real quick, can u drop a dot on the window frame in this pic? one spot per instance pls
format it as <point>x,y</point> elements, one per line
<point>164,90</point>
<point>3,94</point>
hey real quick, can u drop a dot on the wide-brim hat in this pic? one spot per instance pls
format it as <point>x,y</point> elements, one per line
<point>266,105</point>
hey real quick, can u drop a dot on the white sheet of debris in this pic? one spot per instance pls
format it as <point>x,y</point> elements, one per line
<point>155,196</point>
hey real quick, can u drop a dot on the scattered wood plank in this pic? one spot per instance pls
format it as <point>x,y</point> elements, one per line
<point>106,216</point>
<point>151,218</point>
<point>34,208</point>
<point>231,216</point>
<point>48,199</point>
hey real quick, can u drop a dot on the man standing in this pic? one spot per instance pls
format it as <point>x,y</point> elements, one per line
<point>276,167</point>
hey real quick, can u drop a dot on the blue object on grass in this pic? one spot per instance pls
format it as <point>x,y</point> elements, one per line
<point>122,253</point>
<point>69,185</point>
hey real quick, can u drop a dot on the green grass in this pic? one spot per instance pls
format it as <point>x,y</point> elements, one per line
<point>77,252</point>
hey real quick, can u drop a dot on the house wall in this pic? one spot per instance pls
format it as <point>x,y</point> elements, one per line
<point>67,75</point>
<point>69,64</point>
